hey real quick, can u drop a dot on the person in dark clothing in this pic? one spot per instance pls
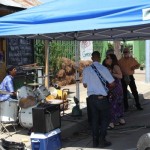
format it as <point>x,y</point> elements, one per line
<point>97,99</point>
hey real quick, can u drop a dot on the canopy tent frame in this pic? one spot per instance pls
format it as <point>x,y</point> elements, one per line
<point>116,20</point>
<point>78,20</point>
<point>120,34</point>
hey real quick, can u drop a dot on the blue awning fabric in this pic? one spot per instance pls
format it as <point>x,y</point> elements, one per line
<point>81,20</point>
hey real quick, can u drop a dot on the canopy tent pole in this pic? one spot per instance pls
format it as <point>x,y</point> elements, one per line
<point>76,111</point>
<point>77,46</point>
<point>46,63</point>
<point>147,77</point>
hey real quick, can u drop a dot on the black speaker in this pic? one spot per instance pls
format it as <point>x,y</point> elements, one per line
<point>46,117</point>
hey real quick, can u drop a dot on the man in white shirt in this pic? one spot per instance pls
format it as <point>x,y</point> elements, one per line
<point>97,99</point>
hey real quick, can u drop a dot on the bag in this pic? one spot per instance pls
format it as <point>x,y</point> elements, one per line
<point>106,85</point>
<point>126,78</point>
<point>8,145</point>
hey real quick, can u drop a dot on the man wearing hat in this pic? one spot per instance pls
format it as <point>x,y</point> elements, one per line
<point>7,85</point>
<point>128,64</point>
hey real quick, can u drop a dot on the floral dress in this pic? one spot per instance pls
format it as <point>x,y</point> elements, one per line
<point>116,102</point>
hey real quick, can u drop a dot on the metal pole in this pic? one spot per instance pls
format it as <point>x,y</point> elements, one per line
<point>46,63</point>
<point>77,73</point>
<point>147,77</point>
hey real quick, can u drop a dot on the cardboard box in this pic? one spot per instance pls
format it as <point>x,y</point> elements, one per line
<point>47,141</point>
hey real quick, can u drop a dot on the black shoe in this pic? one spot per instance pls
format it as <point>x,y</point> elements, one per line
<point>139,108</point>
<point>95,143</point>
<point>104,144</point>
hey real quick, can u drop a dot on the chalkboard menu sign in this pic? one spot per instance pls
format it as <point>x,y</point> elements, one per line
<point>19,52</point>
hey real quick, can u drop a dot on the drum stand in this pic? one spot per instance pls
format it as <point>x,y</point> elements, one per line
<point>3,128</point>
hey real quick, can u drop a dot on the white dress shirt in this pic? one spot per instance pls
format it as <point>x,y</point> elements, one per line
<point>94,85</point>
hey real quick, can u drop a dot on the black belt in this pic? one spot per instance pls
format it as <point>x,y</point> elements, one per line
<point>99,96</point>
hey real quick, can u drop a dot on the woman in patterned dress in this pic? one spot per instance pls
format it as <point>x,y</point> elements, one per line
<point>116,101</point>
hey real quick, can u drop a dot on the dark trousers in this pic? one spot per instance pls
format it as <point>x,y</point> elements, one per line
<point>88,111</point>
<point>134,91</point>
<point>99,116</point>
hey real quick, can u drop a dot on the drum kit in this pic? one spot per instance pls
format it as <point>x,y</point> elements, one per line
<point>28,97</point>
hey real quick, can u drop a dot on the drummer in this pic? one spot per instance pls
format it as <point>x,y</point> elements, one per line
<point>7,85</point>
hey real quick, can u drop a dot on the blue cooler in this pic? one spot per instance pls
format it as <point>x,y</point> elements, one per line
<point>47,141</point>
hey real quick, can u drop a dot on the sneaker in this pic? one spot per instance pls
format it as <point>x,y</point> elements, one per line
<point>104,144</point>
<point>111,126</point>
<point>122,121</point>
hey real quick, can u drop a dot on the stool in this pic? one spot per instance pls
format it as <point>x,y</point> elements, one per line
<point>3,127</point>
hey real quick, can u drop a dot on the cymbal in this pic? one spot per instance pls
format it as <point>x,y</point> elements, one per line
<point>55,101</point>
<point>32,68</point>
<point>5,92</point>
<point>34,84</point>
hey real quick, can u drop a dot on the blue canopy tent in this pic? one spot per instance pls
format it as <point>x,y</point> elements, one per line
<point>80,20</point>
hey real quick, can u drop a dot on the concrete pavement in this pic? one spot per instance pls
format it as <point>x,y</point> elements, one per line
<point>76,134</point>
<point>122,137</point>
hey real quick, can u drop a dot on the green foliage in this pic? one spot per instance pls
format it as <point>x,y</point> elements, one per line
<point>57,50</point>
<point>98,46</point>
<point>67,49</point>
<point>55,54</point>
<point>110,45</point>
<point>39,52</point>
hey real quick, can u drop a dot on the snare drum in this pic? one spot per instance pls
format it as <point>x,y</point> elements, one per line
<point>25,117</point>
<point>41,93</point>
<point>26,97</point>
<point>8,111</point>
